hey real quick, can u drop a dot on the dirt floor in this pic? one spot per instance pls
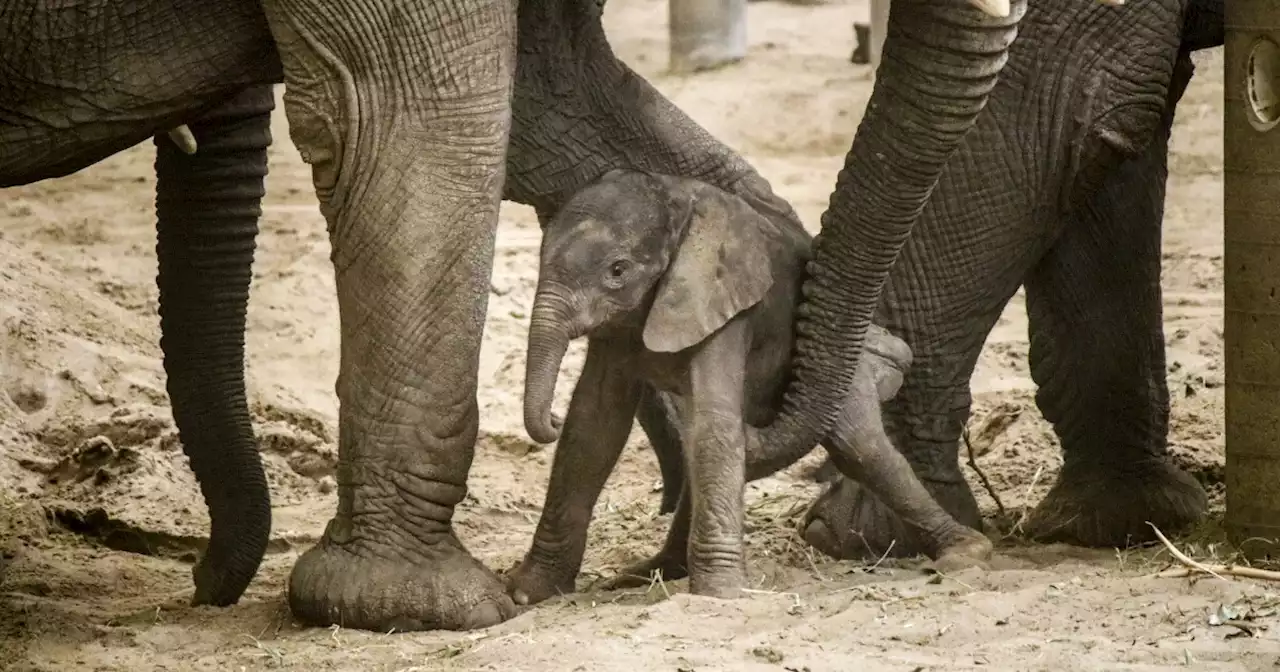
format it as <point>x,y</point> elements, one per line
<point>101,518</point>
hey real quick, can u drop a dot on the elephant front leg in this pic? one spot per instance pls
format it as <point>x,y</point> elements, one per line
<point>402,109</point>
<point>594,434</point>
<point>1097,357</point>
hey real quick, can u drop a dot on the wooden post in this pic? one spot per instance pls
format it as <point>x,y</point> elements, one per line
<point>706,34</point>
<point>877,27</point>
<point>1251,324</point>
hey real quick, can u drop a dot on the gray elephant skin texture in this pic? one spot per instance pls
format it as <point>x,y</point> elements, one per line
<point>685,287</point>
<point>419,118</point>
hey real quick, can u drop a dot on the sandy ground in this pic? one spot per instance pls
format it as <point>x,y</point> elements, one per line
<point>102,519</point>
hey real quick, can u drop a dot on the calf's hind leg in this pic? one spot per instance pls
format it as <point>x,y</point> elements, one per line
<point>861,450</point>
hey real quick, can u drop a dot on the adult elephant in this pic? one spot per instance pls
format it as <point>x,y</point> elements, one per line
<point>417,118</point>
<point>1074,214</point>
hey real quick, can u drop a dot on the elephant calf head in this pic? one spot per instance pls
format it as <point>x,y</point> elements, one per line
<point>673,260</point>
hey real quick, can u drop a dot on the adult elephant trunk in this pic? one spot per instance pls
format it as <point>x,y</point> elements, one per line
<point>208,206</point>
<point>549,336</point>
<point>940,63</point>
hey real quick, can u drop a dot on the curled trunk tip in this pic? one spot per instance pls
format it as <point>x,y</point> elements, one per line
<point>548,341</point>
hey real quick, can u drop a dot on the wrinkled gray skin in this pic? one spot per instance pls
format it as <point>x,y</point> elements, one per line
<point>1075,217</point>
<point>417,119</point>
<point>112,79</point>
<point>682,286</point>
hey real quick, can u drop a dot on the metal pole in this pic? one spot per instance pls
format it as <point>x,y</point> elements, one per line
<point>706,34</point>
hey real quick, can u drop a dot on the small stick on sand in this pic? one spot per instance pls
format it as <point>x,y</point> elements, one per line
<point>973,464</point>
<point>1216,570</point>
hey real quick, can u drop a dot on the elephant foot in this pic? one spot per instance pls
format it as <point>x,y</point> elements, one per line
<point>366,588</point>
<point>963,549</point>
<point>1105,505</point>
<point>531,582</point>
<point>724,583</point>
<point>848,522</point>
<point>642,573</point>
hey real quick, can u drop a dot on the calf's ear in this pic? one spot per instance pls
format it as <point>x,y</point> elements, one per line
<point>722,267</point>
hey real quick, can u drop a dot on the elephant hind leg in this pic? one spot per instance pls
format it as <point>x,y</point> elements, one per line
<point>660,420</point>
<point>861,450</point>
<point>1097,357</point>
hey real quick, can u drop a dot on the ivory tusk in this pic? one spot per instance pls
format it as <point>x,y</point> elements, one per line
<point>996,8</point>
<point>182,137</point>
<point>1111,3</point>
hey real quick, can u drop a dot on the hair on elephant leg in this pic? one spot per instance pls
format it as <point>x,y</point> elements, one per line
<point>660,420</point>
<point>207,207</point>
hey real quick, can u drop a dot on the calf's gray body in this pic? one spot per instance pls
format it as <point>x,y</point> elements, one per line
<point>682,286</point>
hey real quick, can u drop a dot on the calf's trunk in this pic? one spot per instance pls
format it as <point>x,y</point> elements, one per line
<point>549,337</point>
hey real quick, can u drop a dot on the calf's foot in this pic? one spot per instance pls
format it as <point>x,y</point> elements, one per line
<point>368,587</point>
<point>1102,504</point>
<point>532,581</point>
<point>963,549</point>
<point>848,522</point>
<point>722,583</point>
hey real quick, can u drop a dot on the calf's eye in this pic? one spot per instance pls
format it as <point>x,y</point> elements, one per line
<point>617,269</point>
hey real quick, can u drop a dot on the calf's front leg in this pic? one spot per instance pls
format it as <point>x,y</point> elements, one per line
<point>594,434</point>
<point>715,455</point>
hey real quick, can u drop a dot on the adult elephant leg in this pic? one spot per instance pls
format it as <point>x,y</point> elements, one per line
<point>579,111</point>
<point>207,206</point>
<point>403,110</point>
<point>1097,355</point>
<point>962,264</point>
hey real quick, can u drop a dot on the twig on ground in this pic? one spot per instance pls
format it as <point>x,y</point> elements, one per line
<point>1217,570</point>
<point>1026,510</point>
<point>973,464</point>
<point>873,567</point>
<point>656,579</point>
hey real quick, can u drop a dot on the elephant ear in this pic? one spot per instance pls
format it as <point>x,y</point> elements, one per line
<point>723,267</point>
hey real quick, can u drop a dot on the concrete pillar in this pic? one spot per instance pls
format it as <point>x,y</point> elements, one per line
<point>878,26</point>
<point>1251,322</point>
<point>706,34</point>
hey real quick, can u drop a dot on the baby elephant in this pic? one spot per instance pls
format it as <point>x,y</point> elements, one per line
<point>684,287</point>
